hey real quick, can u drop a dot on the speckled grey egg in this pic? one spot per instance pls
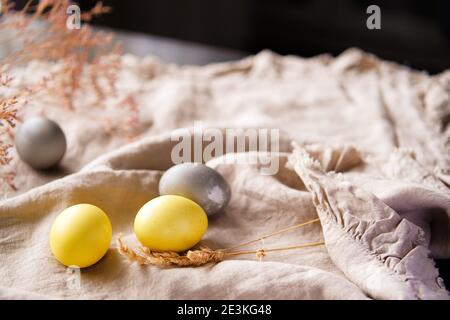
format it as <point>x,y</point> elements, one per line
<point>197,182</point>
<point>40,142</point>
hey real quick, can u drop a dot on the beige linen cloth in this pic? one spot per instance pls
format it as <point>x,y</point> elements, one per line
<point>364,145</point>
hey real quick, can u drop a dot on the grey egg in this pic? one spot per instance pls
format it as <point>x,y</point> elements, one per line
<point>40,142</point>
<point>197,182</point>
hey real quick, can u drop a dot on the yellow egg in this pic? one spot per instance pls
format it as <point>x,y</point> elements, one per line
<point>80,235</point>
<point>170,223</point>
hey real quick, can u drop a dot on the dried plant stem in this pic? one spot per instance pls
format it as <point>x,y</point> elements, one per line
<point>274,234</point>
<point>300,246</point>
<point>205,255</point>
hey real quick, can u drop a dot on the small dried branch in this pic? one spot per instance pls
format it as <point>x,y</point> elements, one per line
<point>83,61</point>
<point>8,112</point>
<point>98,10</point>
<point>8,118</point>
<point>4,157</point>
<point>43,34</point>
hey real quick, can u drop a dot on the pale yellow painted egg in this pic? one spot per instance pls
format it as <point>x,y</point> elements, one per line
<point>170,223</point>
<point>80,235</point>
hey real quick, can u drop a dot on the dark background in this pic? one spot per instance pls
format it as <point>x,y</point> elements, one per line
<point>414,32</point>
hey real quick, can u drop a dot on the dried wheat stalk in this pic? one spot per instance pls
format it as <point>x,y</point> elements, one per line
<point>193,258</point>
<point>204,255</point>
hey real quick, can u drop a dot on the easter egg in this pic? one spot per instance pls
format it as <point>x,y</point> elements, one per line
<point>40,142</point>
<point>170,223</point>
<point>199,183</point>
<point>80,235</point>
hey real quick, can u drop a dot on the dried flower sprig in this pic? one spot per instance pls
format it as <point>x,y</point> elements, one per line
<point>129,127</point>
<point>8,111</point>
<point>4,157</point>
<point>205,255</point>
<point>43,34</point>
<point>83,60</point>
<point>8,118</point>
